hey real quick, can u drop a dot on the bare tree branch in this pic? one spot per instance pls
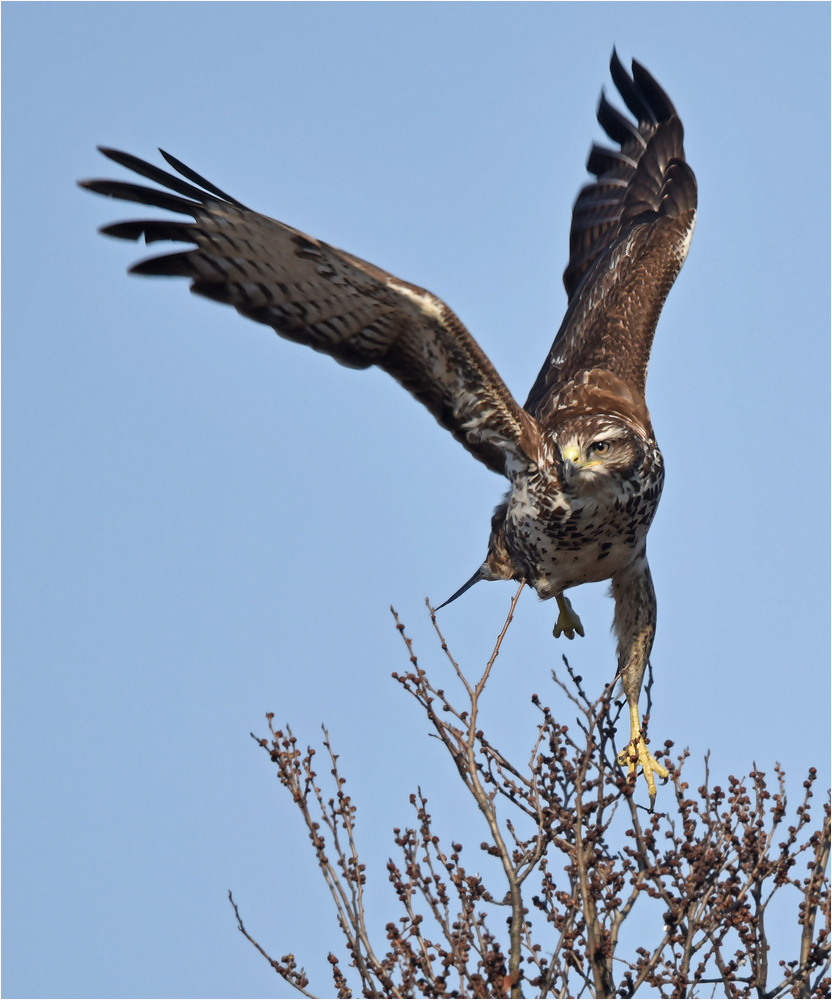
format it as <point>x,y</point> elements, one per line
<point>576,850</point>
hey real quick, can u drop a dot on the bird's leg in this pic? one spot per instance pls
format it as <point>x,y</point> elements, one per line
<point>568,621</point>
<point>635,627</point>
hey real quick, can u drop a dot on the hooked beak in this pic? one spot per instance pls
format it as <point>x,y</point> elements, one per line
<point>572,463</point>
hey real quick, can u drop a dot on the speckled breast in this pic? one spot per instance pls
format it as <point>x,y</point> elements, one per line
<point>559,539</point>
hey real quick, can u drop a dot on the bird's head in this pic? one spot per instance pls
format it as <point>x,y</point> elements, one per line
<point>598,453</point>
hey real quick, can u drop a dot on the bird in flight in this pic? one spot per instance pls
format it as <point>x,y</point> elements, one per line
<point>585,472</point>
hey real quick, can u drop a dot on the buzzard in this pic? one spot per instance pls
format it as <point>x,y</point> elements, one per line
<point>581,458</point>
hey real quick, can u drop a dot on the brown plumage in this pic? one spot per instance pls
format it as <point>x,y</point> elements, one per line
<point>584,468</point>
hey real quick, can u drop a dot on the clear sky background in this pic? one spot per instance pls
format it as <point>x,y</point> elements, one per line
<point>204,523</point>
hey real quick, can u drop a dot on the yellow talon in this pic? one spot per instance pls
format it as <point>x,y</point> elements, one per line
<point>568,621</point>
<point>636,753</point>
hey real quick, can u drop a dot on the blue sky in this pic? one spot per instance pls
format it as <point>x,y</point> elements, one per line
<point>204,523</point>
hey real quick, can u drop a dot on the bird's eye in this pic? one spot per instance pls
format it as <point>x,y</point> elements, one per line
<point>599,447</point>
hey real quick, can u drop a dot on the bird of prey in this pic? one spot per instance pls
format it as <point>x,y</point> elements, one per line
<point>585,472</point>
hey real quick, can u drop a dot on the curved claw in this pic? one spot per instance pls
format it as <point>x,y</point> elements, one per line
<point>636,754</point>
<point>568,622</point>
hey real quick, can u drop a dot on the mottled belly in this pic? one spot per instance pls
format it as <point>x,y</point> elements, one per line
<point>572,544</point>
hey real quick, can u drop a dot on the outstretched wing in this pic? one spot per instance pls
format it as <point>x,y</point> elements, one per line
<point>631,229</point>
<point>333,302</point>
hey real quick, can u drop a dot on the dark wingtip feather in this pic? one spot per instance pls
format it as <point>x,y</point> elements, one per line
<point>151,172</point>
<point>151,196</point>
<point>602,160</point>
<point>123,230</point>
<point>660,103</point>
<point>631,178</point>
<point>151,230</point>
<point>179,265</point>
<point>617,127</point>
<point>142,195</point>
<point>192,175</point>
<point>216,291</point>
<point>116,155</point>
<point>628,90</point>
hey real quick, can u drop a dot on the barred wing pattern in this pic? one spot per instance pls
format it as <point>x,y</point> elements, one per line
<point>631,229</point>
<point>334,302</point>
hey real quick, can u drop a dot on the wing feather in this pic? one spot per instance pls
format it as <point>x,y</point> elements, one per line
<point>317,295</point>
<point>631,229</point>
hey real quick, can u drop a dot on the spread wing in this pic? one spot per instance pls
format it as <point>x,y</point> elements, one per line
<point>631,229</point>
<point>335,303</point>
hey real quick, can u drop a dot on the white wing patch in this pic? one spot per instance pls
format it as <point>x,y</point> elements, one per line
<point>683,250</point>
<point>427,303</point>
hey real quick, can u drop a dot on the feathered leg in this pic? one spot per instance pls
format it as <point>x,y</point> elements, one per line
<point>635,627</point>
